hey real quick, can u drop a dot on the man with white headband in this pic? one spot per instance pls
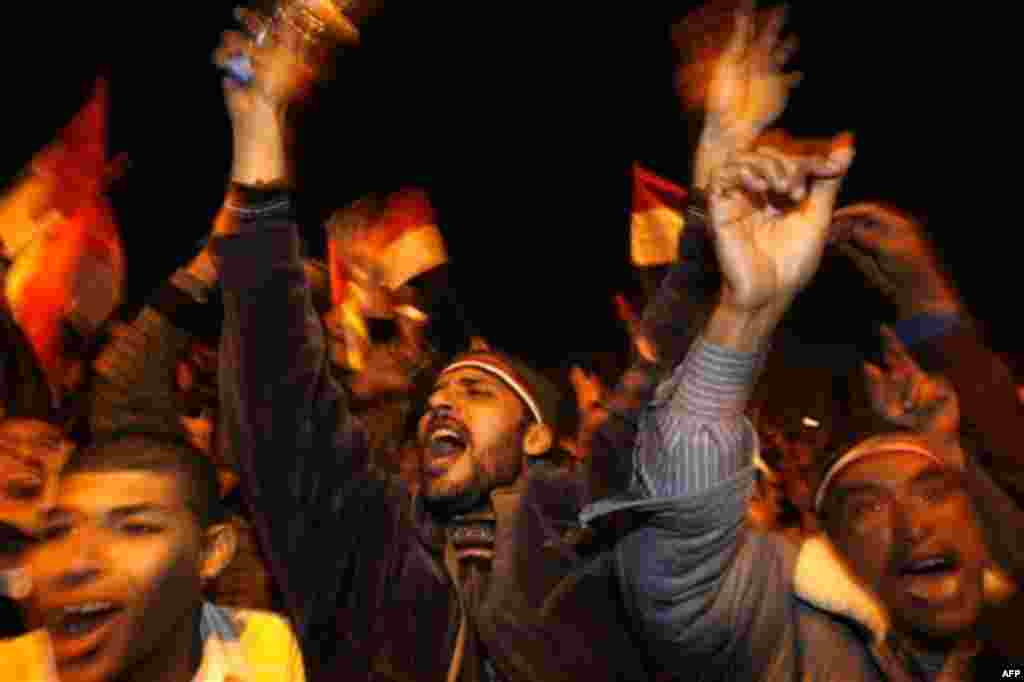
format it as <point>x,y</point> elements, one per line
<point>482,571</point>
<point>477,571</point>
<point>894,589</point>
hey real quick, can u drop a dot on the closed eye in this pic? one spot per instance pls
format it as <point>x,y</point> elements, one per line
<point>863,508</point>
<point>24,489</point>
<point>934,490</point>
<point>138,528</point>
<point>55,531</point>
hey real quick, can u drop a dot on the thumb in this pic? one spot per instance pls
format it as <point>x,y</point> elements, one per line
<point>830,178</point>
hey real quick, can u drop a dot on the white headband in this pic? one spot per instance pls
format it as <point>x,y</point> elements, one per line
<point>873,446</point>
<point>512,383</point>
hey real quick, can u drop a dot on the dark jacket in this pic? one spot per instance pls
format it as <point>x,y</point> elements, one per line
<point>362,564</point>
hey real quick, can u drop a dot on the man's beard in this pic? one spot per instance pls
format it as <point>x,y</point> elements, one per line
<point>467,490</point>
<point>446,497</point>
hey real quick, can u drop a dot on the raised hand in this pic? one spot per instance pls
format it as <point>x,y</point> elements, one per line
<point>748,90</point>
<point>737,78</point>
<point>258,108</point>
<point>892,252</point>
<point>770,218</point>
<point>279,78</point>
<point>905,395</point>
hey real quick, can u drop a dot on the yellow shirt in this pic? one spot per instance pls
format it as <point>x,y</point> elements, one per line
<point>28,658</point>
<point>239,645</point>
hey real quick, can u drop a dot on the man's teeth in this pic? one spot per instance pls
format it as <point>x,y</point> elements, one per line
<point>81,618</point>
<point>86,609</point>
<point>446,434</point>
<point>928,565</point>
<point>447,442</point>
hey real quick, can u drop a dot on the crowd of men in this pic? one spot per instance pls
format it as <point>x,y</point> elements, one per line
<point>351,484</point>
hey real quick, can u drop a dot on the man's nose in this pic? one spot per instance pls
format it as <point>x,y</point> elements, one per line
<point>48,499</point>
<point>914,522</point>
<point>80,557</point>
<point>441,399</point>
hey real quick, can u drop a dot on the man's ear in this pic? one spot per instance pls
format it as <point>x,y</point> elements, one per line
<point>538,439</point>
<point>220,542</point>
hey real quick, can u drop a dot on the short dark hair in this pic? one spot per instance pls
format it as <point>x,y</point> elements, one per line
<point>153,451</point>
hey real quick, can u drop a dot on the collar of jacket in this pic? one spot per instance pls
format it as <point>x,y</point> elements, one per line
<point>434,532</point>
<point>822,580</point>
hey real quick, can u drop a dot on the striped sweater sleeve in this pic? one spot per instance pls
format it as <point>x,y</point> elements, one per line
<point>695,435</point>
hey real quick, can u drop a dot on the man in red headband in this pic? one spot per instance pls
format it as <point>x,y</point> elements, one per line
<point>478,572</point>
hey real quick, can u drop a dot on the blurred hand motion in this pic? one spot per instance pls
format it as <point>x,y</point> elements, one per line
<point>894,254</point>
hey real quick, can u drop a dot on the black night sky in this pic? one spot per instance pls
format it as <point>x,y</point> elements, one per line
<point>522,122</point>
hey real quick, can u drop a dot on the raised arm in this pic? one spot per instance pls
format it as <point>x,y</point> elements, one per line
<point>321,514</point>
<point>689,560</point>
<point>134,374</point>
<point>732,73</point>
<point>661,338</point>
<point>894,254</point>
<point>732,61</point>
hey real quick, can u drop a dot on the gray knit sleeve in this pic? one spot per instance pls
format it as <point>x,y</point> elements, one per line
<point>694,435</point>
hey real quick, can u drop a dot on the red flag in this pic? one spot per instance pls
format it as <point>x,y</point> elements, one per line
<point>374,247</point>
<point>391,239</point>
<point>60,232</point>
<point>656,222</point>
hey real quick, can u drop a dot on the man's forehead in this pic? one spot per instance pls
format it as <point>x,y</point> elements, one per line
<point>31,431</point>
<point>96,492</point>
<point>467,375</point>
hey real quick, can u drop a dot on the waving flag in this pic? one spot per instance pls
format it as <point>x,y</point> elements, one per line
<point>60,234</point>
<point>657,221</point>
<point>375,246</point>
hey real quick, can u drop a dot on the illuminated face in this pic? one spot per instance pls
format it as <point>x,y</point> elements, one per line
<point>471,438</point>
<point>32,454</point>
<point>118,575</point>
<point>906,527</point>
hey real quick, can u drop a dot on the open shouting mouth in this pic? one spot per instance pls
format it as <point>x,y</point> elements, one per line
<point>447,439</point>
<point>79,629</point>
